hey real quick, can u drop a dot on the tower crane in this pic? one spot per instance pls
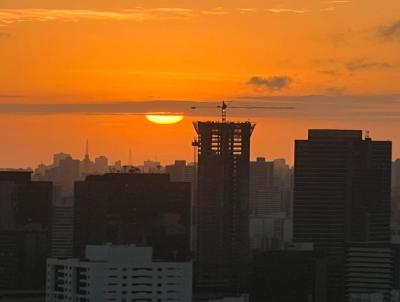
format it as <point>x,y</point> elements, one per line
<point>224,107</point>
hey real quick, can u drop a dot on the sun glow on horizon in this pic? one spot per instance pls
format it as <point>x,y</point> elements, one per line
<point>164,118</point>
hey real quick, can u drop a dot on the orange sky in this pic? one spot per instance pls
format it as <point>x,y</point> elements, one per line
<point>103,51</point>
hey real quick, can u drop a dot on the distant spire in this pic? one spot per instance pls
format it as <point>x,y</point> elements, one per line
<point>87,149</point>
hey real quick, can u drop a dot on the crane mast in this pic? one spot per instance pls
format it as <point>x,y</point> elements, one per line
<point>224,109</point>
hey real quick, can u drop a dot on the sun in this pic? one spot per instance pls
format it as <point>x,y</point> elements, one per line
<point>164,118</point>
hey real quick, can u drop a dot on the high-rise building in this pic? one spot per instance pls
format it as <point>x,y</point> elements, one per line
<point>181,171</point>
<point>369,271</point>
<point>261,182</point>
<point>396,192</point>
<point>59,157</point>
<point>222,210</point>
<point>62,230</point>
<point>101,165</point>
<point>270,188</point>
<point>144,209</point>
<point>63,174</point>
<point>282,173</point>
<point>341,194</point>
<point>296,274</point>
<point>118,273</point>
<point>150,166</point>
<point>270,232</point>
<point>25,215</point>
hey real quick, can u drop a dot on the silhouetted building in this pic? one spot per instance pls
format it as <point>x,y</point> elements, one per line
<point>22,295</point>
<point>270,232</point>
<point>181,171</point>
<point>25,215</point>
<point>101,165</point>
<point>298,274</point>
<point>283,180</point>
<point>62,230</point>
<point>396,193</point>
<point>63,173</point>
<point>222,209</point>
<point>341,194</point>
<point>150,166</point>
<point>282,173</point>
<point>261,182</point>
<point>143,209</point>
<point>369,271</point>
<point>86,165</point>
<point>59,157</point>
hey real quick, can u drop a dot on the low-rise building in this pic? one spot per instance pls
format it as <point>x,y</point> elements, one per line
<point>118,273</point>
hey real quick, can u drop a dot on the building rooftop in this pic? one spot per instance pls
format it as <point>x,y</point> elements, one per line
<point>119,253</point>
<point>316,134</point>
<point>16,176</point>
<point>129,177</point>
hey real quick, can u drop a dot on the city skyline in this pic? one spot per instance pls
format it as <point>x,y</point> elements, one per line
<point>127,153</point>
<point>73,70</point>
<point>253,230</point>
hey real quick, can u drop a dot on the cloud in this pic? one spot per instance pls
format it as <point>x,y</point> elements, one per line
<point>363,64</point>
<point>328,9</point>
<point>11,16</point>
<point>4,35</point>
<point>330,72</point>
<point>218,11</point>
<point>246,10</point>
<point>391,31</point>
<point>331,104</point>
<point>9,96</point>
<point>272,83</point>
<point>287,10</point>
<point>339,1</point>
<point>334,91</point>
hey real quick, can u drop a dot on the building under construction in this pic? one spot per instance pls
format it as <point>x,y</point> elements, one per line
<point>222,205</point>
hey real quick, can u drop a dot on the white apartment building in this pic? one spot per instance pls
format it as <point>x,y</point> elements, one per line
<point>242,298</point>
<point>118,273</point>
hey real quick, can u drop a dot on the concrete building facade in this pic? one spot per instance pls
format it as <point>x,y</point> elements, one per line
<point>118,273</point>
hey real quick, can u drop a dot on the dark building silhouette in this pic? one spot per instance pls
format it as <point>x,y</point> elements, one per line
<point>62,230</point>
<point>370,271</point>
<point>261,182</point>
<point>63,173</point>
<point>222,210</point>
<point>142,209</point>
<point>396,192</point>
<point>293,275</point>
<point>341,195</point>
<point>181,171</point>
<point>25,215</point>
